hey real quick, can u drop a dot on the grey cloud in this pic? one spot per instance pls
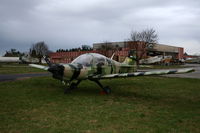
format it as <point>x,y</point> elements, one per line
<point>16,9</point>
<point>66,24</point>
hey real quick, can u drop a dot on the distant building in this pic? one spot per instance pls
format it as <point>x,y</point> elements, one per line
<point>153,50</point>
<point>121,50</point>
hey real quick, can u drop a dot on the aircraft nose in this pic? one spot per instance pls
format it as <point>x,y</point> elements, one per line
<point>72,71</point>
<point>57,71</point>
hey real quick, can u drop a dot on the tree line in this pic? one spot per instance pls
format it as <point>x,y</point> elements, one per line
<point>82,48</point>
<point>13,53</point>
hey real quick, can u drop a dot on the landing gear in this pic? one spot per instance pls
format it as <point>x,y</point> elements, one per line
<point>67,90</point>
<point>106,89</point>
<point>71,86</point>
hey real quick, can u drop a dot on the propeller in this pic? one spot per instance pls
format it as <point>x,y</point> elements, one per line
<point>56,69</point>
<point>47,61</point>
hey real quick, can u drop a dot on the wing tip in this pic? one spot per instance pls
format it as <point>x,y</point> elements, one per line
<point>39,66</point>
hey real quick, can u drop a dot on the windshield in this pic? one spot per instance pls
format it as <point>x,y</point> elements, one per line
<point>90,59</point>
<point>99,59</point>
<point>85,60</point>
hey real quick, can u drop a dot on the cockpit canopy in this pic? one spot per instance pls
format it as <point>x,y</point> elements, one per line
<point>90,59</point>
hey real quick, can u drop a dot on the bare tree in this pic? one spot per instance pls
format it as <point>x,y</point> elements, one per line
<point>145,39</point>
<point>147,35</point>
<point>39,50</point>
<point>135,36</point>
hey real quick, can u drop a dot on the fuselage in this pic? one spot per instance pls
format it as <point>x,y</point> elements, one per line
<point>92,64</point>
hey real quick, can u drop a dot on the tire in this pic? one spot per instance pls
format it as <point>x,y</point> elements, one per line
<point>107,90</point>
<point>73,86</point>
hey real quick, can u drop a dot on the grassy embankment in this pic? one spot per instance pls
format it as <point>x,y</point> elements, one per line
<point>142,104</point>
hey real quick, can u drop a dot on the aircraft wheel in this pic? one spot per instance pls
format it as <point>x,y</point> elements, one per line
<point>107,90</point>
<point>73,86</point>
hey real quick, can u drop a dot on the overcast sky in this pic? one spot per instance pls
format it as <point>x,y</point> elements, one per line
<point>71,23</point>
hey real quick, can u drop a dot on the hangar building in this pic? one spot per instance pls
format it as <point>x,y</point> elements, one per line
<point>121,50</point>
<point>150,50</point>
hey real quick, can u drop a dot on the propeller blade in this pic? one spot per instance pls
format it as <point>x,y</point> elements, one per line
<point>39,66</point>
<point>47,61</point>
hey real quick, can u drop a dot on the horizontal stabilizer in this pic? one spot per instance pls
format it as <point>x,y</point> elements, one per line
<point>39,66</point>
<point>134,74</point>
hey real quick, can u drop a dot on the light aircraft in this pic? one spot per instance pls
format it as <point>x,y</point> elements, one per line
<point>94,67</point>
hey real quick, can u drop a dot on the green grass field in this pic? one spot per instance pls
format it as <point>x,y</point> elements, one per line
<point>17,68</point>
<point>142,104</point>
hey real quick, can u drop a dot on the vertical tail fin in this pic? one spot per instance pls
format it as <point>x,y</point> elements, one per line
<point>131,59</point>
<point>47,61</point>
<point>112,56</point>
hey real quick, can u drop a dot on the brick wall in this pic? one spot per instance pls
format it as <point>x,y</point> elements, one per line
<point>180,53</point>
<point>67,57</point>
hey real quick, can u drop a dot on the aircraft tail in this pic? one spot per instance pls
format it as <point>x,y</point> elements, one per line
<point>129,61</point>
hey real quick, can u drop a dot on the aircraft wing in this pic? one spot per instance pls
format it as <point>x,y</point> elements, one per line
<point>39,66</point>
<point>134,74</point>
